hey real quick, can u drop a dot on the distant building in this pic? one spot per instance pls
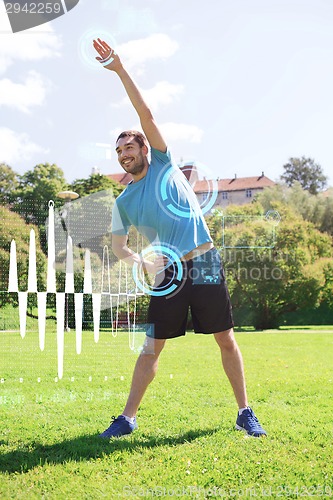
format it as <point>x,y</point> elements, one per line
<point>236,191</point>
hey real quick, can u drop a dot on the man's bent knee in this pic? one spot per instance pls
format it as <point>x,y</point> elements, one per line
<point>152,346</point>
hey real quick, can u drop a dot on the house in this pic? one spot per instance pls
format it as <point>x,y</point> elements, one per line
<point>236,191</point>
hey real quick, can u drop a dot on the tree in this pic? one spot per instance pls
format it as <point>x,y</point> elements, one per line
<point>36,188</point>
<point>13,227</point>
<point>267,280</point>
<point>327,291</point>
<point>232,212</point>
<point>317,209</point>
<point>95,183</point>
<point>308,173</point>
<point>326,210</point>
<point>8,184</point>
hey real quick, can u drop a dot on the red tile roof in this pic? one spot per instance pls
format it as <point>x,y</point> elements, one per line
<point>235,184</point>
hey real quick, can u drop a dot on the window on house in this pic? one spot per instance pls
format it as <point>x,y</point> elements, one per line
<point>224,195</point>
<point>249,193</point>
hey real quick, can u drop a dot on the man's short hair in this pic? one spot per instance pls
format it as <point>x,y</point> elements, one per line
<point>138,137</point>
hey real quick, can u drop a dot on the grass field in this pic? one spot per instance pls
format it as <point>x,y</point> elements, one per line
<point>186,445</point>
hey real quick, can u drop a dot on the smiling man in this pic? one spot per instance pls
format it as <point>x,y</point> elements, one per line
<point>132,153</point>
<point>160,203</point>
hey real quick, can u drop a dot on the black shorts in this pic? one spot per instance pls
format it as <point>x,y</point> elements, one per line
<point>202,289</point>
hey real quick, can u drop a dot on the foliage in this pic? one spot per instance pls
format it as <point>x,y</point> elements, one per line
<point>8,184</point>
<point>308,173</point>
<point>327,289</point>
<point>272,270</point>
<point>326,210</point>
<point>36,188</point>
<point>317,209</point>
<point>95,183</point>
<point>87,220</point>
<point>13,227</point>
<point>236,212</point>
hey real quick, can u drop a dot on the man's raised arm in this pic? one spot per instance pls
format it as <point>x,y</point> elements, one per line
<point>111,61</point>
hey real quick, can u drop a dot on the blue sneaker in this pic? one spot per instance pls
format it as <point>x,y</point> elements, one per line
<point>249,423</point>
<point>119,427</point>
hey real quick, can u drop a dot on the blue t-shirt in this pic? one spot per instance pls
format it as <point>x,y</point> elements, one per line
<point>163,207</point>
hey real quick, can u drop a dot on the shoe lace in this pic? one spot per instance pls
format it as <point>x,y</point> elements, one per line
<point>252,419</point>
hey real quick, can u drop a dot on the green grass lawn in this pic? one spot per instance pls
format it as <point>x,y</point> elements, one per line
<point>186,445</point>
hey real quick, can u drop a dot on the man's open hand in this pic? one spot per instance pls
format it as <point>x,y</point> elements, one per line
<point>108,58</point>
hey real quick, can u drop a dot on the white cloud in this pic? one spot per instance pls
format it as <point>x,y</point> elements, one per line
<point>22,96</point>
<point>31,46</point>
<point>16,146</point>
<point>181,132</point>
<point>136,52</point>
<point>161,94</point>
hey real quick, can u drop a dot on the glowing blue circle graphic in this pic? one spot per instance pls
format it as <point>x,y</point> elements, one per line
<point>87,53</point>
<point>211,185</point>
<point>166,197</point>
<point>173,260</point>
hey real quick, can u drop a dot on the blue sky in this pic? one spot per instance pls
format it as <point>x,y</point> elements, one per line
<point>238,86</point>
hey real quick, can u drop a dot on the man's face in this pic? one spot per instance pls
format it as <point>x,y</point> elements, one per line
<point>131,156</point>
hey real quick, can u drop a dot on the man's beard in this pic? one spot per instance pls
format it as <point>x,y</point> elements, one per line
<point>138,166</point>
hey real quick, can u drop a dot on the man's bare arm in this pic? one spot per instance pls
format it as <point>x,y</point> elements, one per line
<point>111,61</point>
